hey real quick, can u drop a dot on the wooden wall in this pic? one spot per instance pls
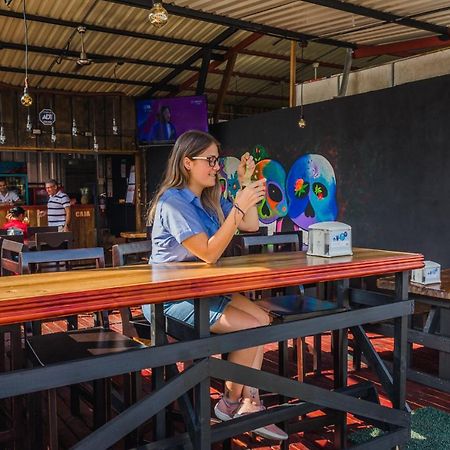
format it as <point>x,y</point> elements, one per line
<point>87,111</point>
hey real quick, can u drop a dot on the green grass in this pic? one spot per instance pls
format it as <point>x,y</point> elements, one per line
<point>430,430</point>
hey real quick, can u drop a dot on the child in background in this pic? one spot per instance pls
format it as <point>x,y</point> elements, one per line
<point>17,223</point>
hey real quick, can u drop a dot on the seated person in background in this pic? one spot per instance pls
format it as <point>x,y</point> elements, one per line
<point>17,223</point>
<point>7,197</point>
<point>191,222</point>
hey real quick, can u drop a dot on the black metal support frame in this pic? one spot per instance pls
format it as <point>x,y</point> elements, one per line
<point>336,403</point>
<point>428,337</point>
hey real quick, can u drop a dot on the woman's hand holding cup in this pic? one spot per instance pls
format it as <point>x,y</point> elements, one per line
<point>251,195</point>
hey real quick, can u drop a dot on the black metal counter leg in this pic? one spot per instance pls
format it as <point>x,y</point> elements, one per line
<point>202,400</point>
<point>158,338</point>
<point>340,359</point>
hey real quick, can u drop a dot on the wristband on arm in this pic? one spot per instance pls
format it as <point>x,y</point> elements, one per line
<point>239,209</point>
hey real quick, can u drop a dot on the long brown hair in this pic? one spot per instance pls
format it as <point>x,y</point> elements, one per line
<point>189,144</point>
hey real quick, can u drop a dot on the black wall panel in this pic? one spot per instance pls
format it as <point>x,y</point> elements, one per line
<point>390,150</point>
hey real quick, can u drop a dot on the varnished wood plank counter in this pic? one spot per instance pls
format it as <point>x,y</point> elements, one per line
<point>29,297</point>
<point>439,290</point>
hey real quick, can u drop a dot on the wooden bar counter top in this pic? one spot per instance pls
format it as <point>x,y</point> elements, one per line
<point>30,297</point>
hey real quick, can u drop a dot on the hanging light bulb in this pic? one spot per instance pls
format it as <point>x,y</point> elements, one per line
<point>74,128</point>
<point>115,128</point>
<point>29,123</point>
<point>95,144</point>
<point>2,129</point>
<point>26,98</point>
<point>301,121</point>
<point>158,16</point>
<point>2,135</point>
<point>53,136</point>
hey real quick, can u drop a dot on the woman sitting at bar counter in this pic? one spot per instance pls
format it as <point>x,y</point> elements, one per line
<point>192,222</point>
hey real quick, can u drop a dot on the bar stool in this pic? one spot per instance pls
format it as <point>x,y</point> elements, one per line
<point>287,305</point>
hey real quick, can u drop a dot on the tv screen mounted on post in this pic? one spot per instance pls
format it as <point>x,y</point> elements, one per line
<point>162,120</point>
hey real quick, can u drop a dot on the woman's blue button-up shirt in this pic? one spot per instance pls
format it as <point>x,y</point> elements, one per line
<point>180,215</point>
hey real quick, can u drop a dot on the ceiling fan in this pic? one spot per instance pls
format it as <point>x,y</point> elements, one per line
<point>83,59</point>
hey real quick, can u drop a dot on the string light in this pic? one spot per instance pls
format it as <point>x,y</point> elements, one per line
<point>2,129</point>
<point>95,143</point>
<point>115,128</point>
<point>29,123</point>
<point>26,98</point>
<point>74,128</point>
<point>302,121</point>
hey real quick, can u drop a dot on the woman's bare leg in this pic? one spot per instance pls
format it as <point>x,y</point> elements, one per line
<point>241,314</point>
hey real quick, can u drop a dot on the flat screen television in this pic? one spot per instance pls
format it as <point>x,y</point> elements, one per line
<point>162,120</point>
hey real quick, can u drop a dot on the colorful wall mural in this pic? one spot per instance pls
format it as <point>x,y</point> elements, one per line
<point>306,195</point>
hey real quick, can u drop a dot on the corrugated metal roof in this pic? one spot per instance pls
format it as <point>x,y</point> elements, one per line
<point>258,80</point>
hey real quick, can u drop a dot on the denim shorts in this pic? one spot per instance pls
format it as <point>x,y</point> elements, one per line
<point>184,309</point>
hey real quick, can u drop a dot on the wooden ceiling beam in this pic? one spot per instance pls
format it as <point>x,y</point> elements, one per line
<point>224,86</point>
<point>242,45</point>
<point>403,48</point>
<point>160,86</point>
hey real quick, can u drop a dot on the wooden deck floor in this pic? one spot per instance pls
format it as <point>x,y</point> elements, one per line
<point>72,429</point>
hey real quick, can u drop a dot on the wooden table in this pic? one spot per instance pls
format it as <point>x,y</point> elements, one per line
<point>133,235</point>
<point>436,331</point>
<point>40,296</point>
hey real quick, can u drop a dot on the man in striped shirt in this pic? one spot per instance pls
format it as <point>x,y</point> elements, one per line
<point>58,206</point>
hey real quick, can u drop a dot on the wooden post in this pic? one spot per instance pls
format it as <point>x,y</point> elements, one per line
<point>224,86</point>
<point>292,93</point>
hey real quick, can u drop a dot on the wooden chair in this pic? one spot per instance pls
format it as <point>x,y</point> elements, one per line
<point>11,254</point>
<point>53,240</point>
<point>33,230</point>
<point>75,344</point>
<point>290,304</point>
<point>133,326</point>
<point>233,248</point>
